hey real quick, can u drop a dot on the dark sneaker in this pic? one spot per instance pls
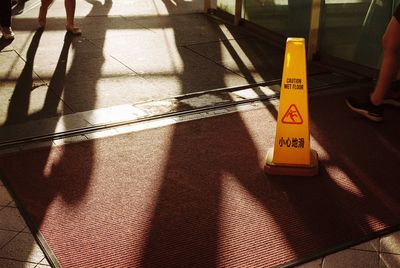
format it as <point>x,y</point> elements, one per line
<point>389,100</point>
<point>366,109</point>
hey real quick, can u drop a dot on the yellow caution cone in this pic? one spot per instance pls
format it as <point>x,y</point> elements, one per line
<point>291,154</point>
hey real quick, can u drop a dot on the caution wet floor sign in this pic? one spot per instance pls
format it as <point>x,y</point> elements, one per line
<point>292,138</point>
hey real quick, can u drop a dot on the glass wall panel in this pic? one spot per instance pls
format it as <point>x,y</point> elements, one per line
<point>352,29</point>
<point>349,29</point>
<point>287,17</point>
<point>227,6</point>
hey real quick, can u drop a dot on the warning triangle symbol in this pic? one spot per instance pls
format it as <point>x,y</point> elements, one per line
<point>292,116</point>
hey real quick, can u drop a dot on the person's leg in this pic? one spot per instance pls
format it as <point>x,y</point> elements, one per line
<point>390,61</point>
<point>43,12</point>
<point>5,19</point>
<point>5,13</point>
<point>372,107</point>
<point>392,95</point>
<point>70,11</point>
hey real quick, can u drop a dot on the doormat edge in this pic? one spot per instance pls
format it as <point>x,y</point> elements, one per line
<point>39,238</point>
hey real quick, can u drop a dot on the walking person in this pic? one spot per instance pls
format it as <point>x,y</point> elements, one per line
<point>372,107</point>
<point>69,10</point>
<point>5,19</point>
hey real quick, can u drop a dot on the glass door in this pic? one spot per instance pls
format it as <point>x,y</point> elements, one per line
<point>286,17</point>
<point>352,29</point>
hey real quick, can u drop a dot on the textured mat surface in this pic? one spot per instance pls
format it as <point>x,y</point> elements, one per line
<point>195,195</point>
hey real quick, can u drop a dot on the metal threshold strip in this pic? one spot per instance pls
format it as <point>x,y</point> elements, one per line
<point>206,108</point>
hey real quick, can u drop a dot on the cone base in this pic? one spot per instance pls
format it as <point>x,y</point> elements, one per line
<point>271,168</point>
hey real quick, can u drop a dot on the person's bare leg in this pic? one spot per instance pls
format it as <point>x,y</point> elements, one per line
<point>43,12</point>
<point>70,11</point>
<point>398,75</point>
<point>390,62</point>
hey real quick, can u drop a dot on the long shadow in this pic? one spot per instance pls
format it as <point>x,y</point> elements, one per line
<point>367,155</point>
<point>18,8</point>
<point>44,185</point>
<point>60,175</point>
<point>210,160</point>
<point>355,197</point>
<point>4,43</point>
<point>19,102</point>
<point>185,227</point>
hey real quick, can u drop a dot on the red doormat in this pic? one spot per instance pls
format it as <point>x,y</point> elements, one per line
<point>194,194</point>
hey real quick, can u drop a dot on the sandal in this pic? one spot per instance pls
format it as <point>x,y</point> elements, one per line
<point>73,30</point>
<point>8,33</point>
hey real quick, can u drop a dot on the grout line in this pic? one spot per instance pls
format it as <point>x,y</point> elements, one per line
<point>19,261</point>
<point>390,253</point>
<point>11,239</point>
<point>364,250</point>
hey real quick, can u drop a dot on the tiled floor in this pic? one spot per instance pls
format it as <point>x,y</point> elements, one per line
<point>17,245</point>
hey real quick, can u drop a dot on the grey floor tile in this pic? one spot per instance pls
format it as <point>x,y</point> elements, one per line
<point>21,94</point>
<point>114,8</point>
<point>41,47</point>
<point>389,260</point>
<point>108,92</point>
<point>44,262</point>
<point>84,61</point>
<point>10,219</point>
<point>6,236</point>
<point>352,259</point>
<point>5,197</point>
<point>42,266</point>
<point>11,67</point>
<point>23,248</point>
<point>8,263</point>
<point>189,29</point>
<point>26,104</point>
<point>390,243</point>
<point>136,8</point>
<point>39,127</point>
<point>112,27</point>
<point>372,245</point>
<point>169,67</point>
<point>252,60</point>
<point>26,230</point>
